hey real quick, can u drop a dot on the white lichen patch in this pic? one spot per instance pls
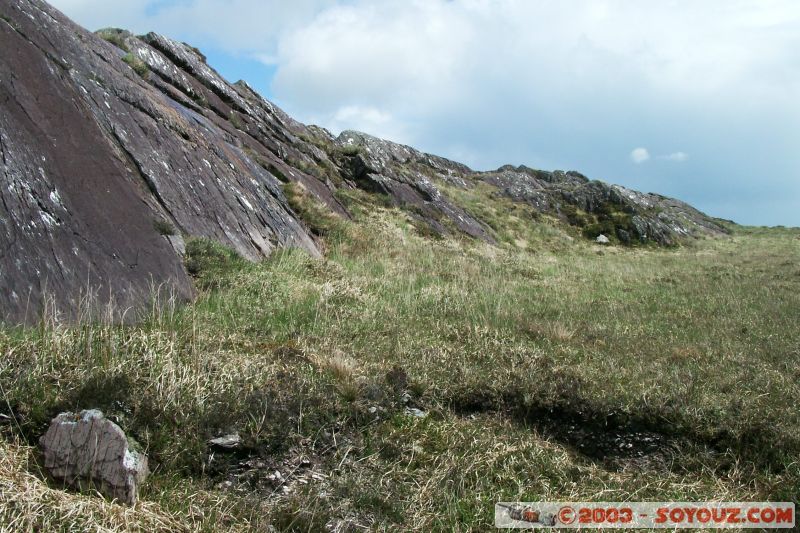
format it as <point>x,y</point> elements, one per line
<point>48,219</point>
<point>245,202</point>
<point>55,197</point>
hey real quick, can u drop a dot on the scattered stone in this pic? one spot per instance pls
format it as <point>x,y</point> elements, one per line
<point>227,442</point>
<point>88,450</point>
<point>602,239</point>
<point>417,413</point>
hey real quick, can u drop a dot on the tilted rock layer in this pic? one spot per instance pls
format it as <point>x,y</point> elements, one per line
<point>114,147</point>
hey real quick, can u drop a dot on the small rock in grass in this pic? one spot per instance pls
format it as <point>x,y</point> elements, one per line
<point>602,239</point>
<point>227,442</point>
<point>88,450</point>
<point>417,413</point>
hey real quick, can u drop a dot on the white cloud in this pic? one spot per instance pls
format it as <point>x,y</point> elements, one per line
<point>678,157</point>
<point>95,14</point>
<point>640,155</point>
<point>237,26</point>
<point>366,119</point>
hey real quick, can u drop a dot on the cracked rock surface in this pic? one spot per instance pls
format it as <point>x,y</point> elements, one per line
<point>87,450</point>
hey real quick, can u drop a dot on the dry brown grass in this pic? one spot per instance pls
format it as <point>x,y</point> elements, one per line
<point>294,353</point>
<point>29,504</point>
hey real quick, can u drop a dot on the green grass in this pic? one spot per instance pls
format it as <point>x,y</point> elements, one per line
<point>164,227</point>
<point>501,346</point>
<point>350,150</point>
<point>138,66</point>
<point>115,37</point>
<point>236,121</point>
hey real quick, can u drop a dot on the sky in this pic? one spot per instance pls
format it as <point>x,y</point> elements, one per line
<point>696,100</point>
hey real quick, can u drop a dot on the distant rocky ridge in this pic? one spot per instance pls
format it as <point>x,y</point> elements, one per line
<point>600,208</point>
<point>114,147</point>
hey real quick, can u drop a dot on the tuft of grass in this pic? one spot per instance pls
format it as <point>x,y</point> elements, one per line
<point>350,150</point>
<point>319,219</point>
<point>211,263</point>
<point>138,66</point>
<point>114,36</point>
<point>163,227</point>
<point>236,121</point>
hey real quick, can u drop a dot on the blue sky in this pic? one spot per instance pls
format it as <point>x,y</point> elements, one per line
<point>697,100</point>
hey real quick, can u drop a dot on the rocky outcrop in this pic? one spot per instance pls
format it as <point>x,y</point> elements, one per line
<point>110,152</point>
<point>601,209</point>
<point>407,177</point>
<point>413,180</point>
<point>89,451</point>
<point>115,147</point>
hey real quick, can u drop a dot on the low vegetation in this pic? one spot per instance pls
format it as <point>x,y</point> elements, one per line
<point>115,37</point>
<point>138,66</point>
<point>164,227</point>
<point>546,368</point>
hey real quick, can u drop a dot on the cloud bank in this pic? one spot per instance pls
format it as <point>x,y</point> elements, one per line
<point>550,84</point>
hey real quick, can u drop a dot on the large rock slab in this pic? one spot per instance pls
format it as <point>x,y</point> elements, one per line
<point>88,450</point>
<point>104,145</point>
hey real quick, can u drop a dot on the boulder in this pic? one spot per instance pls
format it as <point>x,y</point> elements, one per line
<point>602,239</point>
<point>227,442</point>
<point>88,450</point>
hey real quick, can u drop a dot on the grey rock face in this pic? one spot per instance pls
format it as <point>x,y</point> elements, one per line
<point>100,140</point>
<point>602,239</point>
<point>598,207</point>
<point>407,177</point>
<point>87,450</point>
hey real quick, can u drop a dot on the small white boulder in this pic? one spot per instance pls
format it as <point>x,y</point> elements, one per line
<point>88,450</point>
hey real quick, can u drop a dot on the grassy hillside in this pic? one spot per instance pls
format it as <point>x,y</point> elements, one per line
<point>548,368</point>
